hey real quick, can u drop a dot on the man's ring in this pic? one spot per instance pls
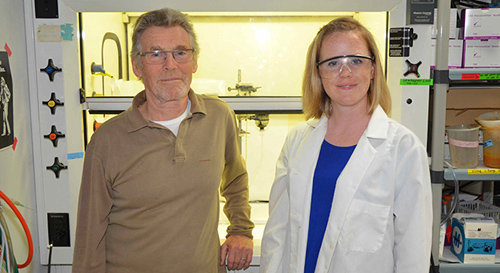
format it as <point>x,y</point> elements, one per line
<point>243,259</point>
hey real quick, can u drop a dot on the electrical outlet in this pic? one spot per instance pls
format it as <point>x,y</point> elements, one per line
<point>59,229</point>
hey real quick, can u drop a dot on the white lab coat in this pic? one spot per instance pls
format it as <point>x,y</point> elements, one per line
<point>381,216</point>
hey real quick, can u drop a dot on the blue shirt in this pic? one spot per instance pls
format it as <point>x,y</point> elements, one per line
<point>331,161</point>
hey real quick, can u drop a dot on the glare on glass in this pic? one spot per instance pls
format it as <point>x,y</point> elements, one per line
<point>333,67</point>
<point>159,56</point>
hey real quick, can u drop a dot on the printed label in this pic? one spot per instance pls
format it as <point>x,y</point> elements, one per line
<point>471,76</point>
<point>463,144</point>
<point>416,82</point>
<point>480,76</point>
<point>490,76</point>
<point>483,171</point>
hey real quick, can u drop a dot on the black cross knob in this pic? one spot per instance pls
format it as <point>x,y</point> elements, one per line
<point>51,69</point>
<point>53,103</point>
<point>54,135</point>
<point>57,167</point>
<point>412,68</point>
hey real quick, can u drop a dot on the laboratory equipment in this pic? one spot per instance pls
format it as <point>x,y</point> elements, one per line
<point>464,145</point>
<point>244,89</point>
<point>490,125</point>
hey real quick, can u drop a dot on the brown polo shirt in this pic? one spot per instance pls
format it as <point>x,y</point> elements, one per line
<point>149,201</point>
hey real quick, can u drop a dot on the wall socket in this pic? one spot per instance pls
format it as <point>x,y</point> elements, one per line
<point>59,229</point>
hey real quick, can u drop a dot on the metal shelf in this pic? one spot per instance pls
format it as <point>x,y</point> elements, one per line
<point>477,78</point>
<point>463,78</point>
<point>462,84</point>
<point>445,267</point>
<point>465,174</point>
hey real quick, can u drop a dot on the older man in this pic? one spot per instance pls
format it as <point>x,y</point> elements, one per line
<point>149,199</point>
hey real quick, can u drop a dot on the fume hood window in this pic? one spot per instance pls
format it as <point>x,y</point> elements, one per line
<point>259,54</point>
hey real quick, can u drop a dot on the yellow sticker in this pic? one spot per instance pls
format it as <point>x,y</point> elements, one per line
<point>483,171</point>
<point>51,103</point>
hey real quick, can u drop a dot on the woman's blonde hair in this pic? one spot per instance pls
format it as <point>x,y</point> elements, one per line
<point>315,100</point>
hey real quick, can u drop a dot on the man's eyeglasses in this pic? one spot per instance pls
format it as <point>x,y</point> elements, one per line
<point>332,67</point>
<point>159,56</point>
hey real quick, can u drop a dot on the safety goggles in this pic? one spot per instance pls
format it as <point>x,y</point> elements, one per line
<point>333,67</point>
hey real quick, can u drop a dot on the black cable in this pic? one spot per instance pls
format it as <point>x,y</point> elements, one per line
<point>50,257</point>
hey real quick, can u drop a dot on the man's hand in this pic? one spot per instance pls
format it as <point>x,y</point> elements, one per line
<point>239,252</point>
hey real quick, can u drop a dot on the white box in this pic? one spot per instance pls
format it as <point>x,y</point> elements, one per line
<point>481,23</point>
<point>455,51</point>
<point>453,24</point>
<point>483,54</point>
<point>474,239</point>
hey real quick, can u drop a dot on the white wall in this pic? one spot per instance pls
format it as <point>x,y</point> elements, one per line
<point>16,166</point>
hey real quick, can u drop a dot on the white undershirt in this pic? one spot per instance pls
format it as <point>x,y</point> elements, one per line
<point>174,124</point>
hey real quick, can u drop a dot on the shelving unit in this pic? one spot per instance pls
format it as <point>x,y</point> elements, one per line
<point>480,78</point>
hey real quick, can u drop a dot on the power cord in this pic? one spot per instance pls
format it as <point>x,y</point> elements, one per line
<point>49,265</point>
<point>455,199</point>
<point>449,213</point>
<point>25,227</point>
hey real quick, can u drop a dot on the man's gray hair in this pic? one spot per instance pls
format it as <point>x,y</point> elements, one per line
<point>162,18</point>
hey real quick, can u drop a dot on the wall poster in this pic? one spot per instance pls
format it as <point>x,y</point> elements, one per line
<point>6,103</point>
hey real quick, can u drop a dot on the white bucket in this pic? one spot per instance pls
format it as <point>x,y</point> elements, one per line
<point>464,145</point>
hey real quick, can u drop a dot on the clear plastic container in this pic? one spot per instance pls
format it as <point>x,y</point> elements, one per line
<point>464,145</point>
<point>490,124</point>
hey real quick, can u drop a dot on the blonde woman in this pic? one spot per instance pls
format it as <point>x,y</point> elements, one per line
<point>352,189</point>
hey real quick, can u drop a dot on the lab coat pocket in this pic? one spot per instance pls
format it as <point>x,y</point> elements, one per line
<point>364,227</point>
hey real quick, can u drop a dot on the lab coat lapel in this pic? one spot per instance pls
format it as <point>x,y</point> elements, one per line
<point>348,183</point>
<point>301,185</point>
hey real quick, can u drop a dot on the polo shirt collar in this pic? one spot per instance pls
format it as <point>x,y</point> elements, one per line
<point>136,121</point>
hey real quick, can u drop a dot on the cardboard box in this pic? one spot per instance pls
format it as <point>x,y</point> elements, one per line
<point>455,51</point>
<point>464,105</point>
<point>474,239</point>
<point>453,24</point>
<point>481,23</point>
<point>481,54</point>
